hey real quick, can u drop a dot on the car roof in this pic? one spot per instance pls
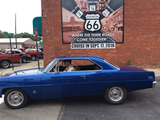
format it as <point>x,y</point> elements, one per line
<point>13,50</point>
<point>80,57</point>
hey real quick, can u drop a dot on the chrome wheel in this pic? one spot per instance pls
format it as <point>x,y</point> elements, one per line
<point>33,58</point>
<point>116,94</point>
<point>15,98</point>
<point>5,64</point>
<point>24,60</point>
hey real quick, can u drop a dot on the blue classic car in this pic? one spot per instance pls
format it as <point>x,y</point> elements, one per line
<point>74,76</point>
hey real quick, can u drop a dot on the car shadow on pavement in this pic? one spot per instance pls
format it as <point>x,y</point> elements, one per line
<point>46,102</point>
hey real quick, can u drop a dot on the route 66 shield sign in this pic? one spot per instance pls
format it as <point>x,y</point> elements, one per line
<point>92,22</point>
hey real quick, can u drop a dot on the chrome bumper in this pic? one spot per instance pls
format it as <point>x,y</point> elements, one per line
<point>154,84</point>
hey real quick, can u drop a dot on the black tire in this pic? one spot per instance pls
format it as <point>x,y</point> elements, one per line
<point>5,64</point>
<point>115,95</point>
<point>19,97</point>
<point>24,60</point>
<point>33,57</point>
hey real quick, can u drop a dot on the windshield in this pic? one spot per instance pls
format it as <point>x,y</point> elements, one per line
<point>49,65</point>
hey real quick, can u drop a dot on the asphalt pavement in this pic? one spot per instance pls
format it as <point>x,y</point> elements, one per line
<point>35,110</point>
<point>140,105</point>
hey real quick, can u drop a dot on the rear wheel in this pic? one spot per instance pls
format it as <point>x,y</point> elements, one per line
<point>115,95</point>
<point>15,98</point>
<point>33,57</point>
<point>24,60</point>
<point>5,64</point>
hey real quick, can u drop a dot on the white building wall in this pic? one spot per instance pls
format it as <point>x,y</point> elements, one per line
<point>6,46</point>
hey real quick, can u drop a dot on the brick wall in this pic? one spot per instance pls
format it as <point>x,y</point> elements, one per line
<point>141,34</point>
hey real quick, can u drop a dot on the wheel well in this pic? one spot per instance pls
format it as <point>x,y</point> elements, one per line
<point>115,85</point>
<point>23,58</point>
<point>34,55</point>
<point>6,89</point>
<point>5,60</point>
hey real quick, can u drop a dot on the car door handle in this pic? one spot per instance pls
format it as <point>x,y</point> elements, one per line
<point>83,77</point>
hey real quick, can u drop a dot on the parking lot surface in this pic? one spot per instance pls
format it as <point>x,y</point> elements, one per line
<point>36,110</point>
<point>15,65</point>
<point>20,66</point>
<point>140,105</point>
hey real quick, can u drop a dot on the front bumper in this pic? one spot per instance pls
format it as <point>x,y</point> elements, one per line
<point>154,84</point>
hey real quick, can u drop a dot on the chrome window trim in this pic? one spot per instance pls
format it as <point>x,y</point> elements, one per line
<point>51,66</point>
<point>76,71</point>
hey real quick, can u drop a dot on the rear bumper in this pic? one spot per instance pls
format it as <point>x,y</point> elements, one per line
<point>154,84</point>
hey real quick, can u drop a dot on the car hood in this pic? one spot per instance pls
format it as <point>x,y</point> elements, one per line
<point>129,68</point>
<point>25,72</point>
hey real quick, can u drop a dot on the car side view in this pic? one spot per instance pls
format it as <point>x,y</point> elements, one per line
<point>6,59</point>
<point>33,53</point>
<point>74,76</point>
<point>24,57</point>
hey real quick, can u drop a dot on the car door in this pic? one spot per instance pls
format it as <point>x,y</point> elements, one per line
<point>72,83</point>
<point>16,57</point>
<point>62,84</point>
<point>50,86</point>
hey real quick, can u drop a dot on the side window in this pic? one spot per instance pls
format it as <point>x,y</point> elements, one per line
<point>75,65</point>
<point>85,65</point>
<point>17,52</point>
<point>9,52</point>
<point>58,67</point>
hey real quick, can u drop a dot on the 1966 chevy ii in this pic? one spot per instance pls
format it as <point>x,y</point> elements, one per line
<point>91,76</point>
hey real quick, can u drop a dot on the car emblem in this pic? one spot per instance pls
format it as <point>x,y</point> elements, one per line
<point>34,91</point>
<point>150,77</point>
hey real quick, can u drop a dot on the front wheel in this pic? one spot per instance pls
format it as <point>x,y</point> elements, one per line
<point>5,64</point>
<point>33,57</point>
<point>115,95</point>
<point>24,60</point>
<point>15,98</point>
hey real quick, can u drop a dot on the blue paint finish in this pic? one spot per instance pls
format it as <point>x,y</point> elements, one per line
<point>41,84</point>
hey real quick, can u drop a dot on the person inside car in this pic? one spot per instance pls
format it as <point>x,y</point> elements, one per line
<point>69,66</point>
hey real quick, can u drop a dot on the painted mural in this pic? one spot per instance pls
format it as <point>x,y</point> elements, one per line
<point>92,24</point>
